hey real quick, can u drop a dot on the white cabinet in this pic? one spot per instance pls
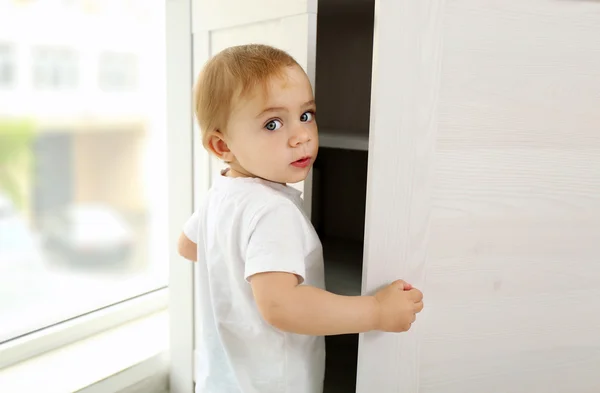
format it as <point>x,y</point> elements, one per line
<point>484,191</point>
<point>460,150</point>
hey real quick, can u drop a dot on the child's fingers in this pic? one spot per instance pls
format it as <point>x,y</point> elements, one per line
<point>416,295</point>
<point>418,306</point>
<point>403,284</point>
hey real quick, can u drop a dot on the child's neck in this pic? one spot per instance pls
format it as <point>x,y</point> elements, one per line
<point>231,172</point>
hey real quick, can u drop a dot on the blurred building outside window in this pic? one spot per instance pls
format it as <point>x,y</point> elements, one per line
<point>83,172</point>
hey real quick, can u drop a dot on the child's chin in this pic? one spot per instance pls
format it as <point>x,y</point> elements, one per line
<point>289,177</point>
<point>297,178</point>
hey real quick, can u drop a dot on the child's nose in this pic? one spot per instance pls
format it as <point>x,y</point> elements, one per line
<point>299,136</point>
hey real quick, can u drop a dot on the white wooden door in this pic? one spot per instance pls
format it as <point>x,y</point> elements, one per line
<point>484,191</point>
<point>290,25</point>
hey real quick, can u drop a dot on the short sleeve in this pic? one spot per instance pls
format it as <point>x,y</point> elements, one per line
<point>276,243</point>
<point>190,229</point>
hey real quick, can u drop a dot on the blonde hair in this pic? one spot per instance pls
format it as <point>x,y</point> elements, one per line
<point>234,71</point>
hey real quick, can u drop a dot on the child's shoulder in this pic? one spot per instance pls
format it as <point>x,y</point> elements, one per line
<point>266,197</point>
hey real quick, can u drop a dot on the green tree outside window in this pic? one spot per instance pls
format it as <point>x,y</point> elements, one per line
<point>16,158</point>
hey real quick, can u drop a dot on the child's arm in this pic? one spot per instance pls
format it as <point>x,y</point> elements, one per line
<point>275,266</point>
<point>187,248</point>
<point>308,310</point>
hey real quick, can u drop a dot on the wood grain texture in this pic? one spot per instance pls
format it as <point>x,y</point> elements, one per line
<point>406,71</point>
<point>513,265</point>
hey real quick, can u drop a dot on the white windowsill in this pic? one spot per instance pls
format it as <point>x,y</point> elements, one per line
<point>111,361</point>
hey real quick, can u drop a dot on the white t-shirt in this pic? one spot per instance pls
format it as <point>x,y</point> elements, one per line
<point>247,226</point>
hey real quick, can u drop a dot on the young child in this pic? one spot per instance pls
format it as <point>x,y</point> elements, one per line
<point>263,309</point>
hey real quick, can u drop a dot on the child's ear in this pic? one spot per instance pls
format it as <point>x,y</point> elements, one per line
<point>217,145</point>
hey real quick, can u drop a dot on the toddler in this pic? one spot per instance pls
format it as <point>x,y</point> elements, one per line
<point>263,308</point>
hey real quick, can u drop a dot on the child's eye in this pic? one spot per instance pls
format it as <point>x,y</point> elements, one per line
<point>273,125</point>
<point>307,116</point>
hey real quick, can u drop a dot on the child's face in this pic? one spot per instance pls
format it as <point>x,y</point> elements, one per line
<point>274,136</point>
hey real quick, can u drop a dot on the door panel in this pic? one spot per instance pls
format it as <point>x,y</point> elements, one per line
<point>211,15</point>
<point>484,192</point>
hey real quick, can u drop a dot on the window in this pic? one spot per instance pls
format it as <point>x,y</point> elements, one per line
<point>7,66</point>
<point>55,68</point>
<point>117,71</point>
<point>83,195</point>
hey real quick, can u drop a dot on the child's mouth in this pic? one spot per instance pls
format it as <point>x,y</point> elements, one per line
<point>302,163</point>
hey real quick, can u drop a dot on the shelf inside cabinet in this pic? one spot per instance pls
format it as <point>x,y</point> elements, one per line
<point>344,139</point>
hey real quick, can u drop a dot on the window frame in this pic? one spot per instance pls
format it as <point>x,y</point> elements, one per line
<point>181,177</point>
<point>48,61</point>
<point>178,295</point>
<point>83,326</point>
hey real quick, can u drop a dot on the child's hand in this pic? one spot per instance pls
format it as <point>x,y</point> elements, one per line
<point>398,304</point>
